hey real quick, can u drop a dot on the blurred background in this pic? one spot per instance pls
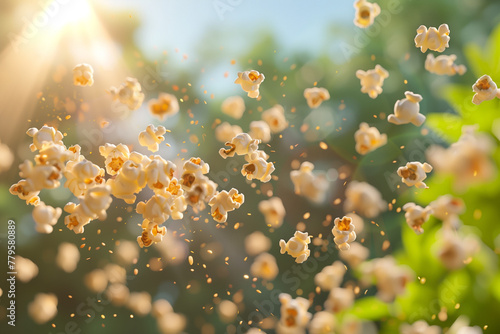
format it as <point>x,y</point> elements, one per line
<point>194,50</point>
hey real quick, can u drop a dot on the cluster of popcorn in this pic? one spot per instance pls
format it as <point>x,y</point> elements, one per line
<point>257,166</point>
<point>129,93</point>
<point>307,184</point>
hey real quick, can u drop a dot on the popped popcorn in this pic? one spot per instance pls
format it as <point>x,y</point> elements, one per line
<point>419,327</point>
<point>46,134</point>
<point>45,217</point>
<point>315,96</point>
<point>226,132</point>
<point>264,266</point>
<point>343,233</point>
<point>250,82</point>
<point>126,252</point>
<point>391,279</point>
<point>307,184</point>
<point>152,137</point>
<point>485,89</point>
<point>368,139</point>
<point>322,323</point>
<point>414,173</point>
<point>200,193</point>
<point>444,65</point>
<point>130,180</point>
<point>242,144</point>
<point>25,268</point>
<point>447,209</point>
<point>416,216</point>
<point>159,208</point>
<point>407,110</point>
<point>364,199</point>
<point>129,93</point>
<point>227,311</point>
<point>260,130</point>
<point>139,303</point>
<point>39,177</point>
<point>93,205</point>
<point>165,106</point>
<point>432,38</point>
<point>234,106</point>
<point>273,211</point>
<point>275,118</point>
<point>468,160</point>
<point>67,257</point>
<point>257,167</point>
<point>339,299</point>
<point>82,175</point>
<point>224,202</point>
<point>83,75</point>
<point>294,315</point>
<point>356,254</point>
<point>297,246</point>
<point>372,80</point>
<point>118,294</point>
<point>115,157</point>
<point>151,233</point>
<point>43,308</point>
<point>24,190</point>
<point>159,174</point>
<point>366,13</point>
<point>330,276</point>
<point>256,243</point>
<point>6,157</point>
<point>455,250</point>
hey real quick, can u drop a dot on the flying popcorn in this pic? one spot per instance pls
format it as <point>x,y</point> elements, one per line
<point>226,132</point>
<point>330,276</point>
<point>46,134</point>
<point>256,243</point>
<point>356,254</point>
<point>264,266</point>
<point>159,175</point>
<point>118,294</point>
<point>152,137</point>
<point>447,209</point>
<point>130,180</point>
<point>260,130</point>
<point>343,233</point>
<point>201,192</point>
<point>24,190</point>
<point>139,303</point>
<point>25,268</point>
<point>43,308</point>
<point>297,246</point>
<point>115,157</point>
<point>273,211</point>
<point>454,250</point>
<point>391,279</point>
<point>83,75</point>
<point>151,233</point>
<point>419,327</point>
<point>315,96</point>
<point>82,175</point>
<point>322,323</point>
<point>165,106</point>
<point>250,82</point>
<point>414,173</point>
<point>339,299</point>
<point>227,311</point>
<point>126,252</point>
<point>160,208</point>
<point>129,93</point>
<point>294,316</point>
<point>275,118</point>
<point>432,38</point>
<point>416,216</point>
<point>366,13</point>
<point>257,168</point>
<point>368,139</point>
<point>93,205</point>
<point>242,144</point>
<point>45,217</point>
<point>407,110</point>
<point>364,199</point>
<point>372,80</point>
<point>193,169</point>
<point>6,157</point>
<point>468,160</point>
<point>67,257</point>
<point>307,184</point>
<point>234,106</point>
<point>224,202</point>
<point>444,65</point>
<point>485,89</point>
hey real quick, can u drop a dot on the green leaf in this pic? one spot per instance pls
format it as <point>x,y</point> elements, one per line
<point>370,308</point>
